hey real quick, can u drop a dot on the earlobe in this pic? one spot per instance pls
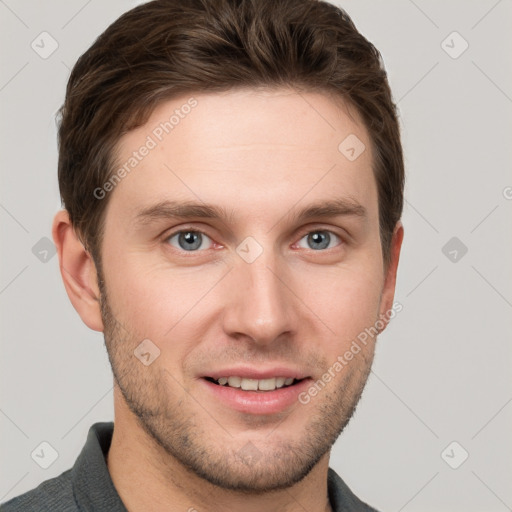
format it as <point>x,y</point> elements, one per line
<point>78,272</point>
<point>388,293</point>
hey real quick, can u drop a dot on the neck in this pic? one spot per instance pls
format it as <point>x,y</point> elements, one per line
<point>148,478</point>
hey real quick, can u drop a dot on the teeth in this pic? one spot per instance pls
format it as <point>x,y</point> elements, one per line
<point>280,382</point>
<point>267,384</point>
<point>255,384</point>
<point>249,384</point>
<point>234,382</point>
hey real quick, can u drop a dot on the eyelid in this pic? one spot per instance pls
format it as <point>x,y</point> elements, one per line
<point>313,228</point>
<point>320,230</point>
<point>186,229</point>
<point>183,229</point>
<point>301,234</point>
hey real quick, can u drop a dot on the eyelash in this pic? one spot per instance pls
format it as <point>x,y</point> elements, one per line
<point>302,235</point>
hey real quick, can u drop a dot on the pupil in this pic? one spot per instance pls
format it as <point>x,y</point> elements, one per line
<point>320,238</point>
<point>189,240</point>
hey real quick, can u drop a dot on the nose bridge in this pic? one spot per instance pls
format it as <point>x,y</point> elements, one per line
<point>260,305</point>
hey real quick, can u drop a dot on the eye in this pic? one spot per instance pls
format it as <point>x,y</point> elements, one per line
<point>190,240</point>
<point>320,239</point>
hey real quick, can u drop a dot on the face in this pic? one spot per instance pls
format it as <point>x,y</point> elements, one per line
<point>243,245</point>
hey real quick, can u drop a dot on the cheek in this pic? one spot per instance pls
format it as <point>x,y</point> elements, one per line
<point>345,300</point>
<point>155,301</point>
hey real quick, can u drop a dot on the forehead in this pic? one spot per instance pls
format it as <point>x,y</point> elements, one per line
<point>247,148</point>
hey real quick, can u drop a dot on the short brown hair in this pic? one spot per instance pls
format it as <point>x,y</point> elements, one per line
<point>166,48</point>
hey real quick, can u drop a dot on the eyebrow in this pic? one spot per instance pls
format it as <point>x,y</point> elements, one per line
<point>188,210</point>
<point>181,210</point>
<point>332,208</point>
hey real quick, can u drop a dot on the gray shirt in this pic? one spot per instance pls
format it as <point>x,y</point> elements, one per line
<point>87,486</point>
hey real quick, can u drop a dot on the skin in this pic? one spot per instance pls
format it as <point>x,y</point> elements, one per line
<point>262,155</point>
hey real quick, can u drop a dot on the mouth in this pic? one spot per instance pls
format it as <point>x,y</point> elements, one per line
<point>259,385</point>
<point>266,395</point>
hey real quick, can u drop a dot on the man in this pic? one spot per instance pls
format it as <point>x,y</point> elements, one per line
<point>232,177</point>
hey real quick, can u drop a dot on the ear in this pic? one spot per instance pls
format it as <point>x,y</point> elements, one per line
<point>78,272</point>
<point>388,291</point>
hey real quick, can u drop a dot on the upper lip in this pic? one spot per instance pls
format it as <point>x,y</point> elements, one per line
<point>246,372</point>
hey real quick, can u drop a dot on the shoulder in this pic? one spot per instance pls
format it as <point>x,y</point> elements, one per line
<point>55,495</point>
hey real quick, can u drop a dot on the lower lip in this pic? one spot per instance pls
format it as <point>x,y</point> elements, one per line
<point>257,402</point>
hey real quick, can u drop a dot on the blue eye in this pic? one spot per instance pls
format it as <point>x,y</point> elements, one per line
<point>189,240</point>
<point>318,240</point>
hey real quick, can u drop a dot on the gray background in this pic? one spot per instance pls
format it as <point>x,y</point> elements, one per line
<point>442,370</point>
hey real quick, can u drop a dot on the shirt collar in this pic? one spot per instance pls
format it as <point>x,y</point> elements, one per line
<point>94,490</point>
<point>92,486</point>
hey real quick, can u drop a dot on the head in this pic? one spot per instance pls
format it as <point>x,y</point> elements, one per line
<point>232,180</point>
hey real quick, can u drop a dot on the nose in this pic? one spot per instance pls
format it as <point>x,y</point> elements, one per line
<point>259,305</point>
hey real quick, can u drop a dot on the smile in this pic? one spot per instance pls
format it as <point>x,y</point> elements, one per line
<point>246,384</point>
<point>269,395</point>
